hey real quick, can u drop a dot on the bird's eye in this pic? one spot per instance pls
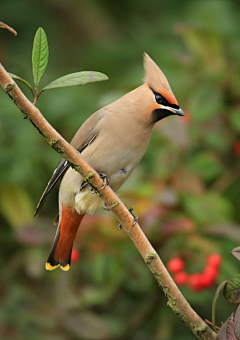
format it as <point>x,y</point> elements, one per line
<point>158,98</point>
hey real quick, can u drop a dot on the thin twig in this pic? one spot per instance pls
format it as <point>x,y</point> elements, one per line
<point>175,299</point>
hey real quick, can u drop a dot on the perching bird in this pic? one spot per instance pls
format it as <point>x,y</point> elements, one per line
<point>113,141</point>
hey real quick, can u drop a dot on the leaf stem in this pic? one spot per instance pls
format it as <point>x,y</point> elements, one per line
<point>214,303</point>
<point>10,29</point>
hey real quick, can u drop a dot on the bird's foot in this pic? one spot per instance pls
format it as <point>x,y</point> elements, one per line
<point>83,185</point>
<point>106,208</point>
<point>105,182</point>
<point>134,216</point>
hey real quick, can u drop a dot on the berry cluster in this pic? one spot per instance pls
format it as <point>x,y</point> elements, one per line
<point>196,281</point>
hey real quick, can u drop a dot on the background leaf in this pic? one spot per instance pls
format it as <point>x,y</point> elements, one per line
<point>16,205</point>
<point>75,79</point>
<point>39,55</point>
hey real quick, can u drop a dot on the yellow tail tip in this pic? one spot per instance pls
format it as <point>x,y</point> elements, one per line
<point>48,266</point>
<point>66,268</point>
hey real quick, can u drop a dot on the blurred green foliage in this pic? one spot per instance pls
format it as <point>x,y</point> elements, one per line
<point>185,191</point>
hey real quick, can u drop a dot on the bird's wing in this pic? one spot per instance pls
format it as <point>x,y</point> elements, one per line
<point>84,137</point>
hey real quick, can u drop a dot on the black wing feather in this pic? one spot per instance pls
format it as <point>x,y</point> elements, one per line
<point>60,170</point>
<point>62,167</point>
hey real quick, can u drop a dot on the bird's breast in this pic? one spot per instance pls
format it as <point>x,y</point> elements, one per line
<point>116,151</point>
<point>85,202</point>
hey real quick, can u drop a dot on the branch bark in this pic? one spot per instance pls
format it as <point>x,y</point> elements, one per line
<point>176,300</point>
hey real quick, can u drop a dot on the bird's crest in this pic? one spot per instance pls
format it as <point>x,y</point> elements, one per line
<point>156,79</point>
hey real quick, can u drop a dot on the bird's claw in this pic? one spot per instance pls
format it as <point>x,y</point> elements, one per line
<point>134,216</point>
<point>105,180</point>
<point>83,185</point>
<point>105,183</point>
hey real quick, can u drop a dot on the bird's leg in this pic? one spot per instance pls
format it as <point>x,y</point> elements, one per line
<point>105,182</point>
<point>83,185</point>
<point>106,208</point>
<point>134,216</point>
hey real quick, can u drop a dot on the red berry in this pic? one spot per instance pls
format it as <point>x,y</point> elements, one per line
<point>214,260</point>
<point>175,265</point>
<point>209,275</point>
<point>211,271</point>
<point>75,255</point>
<point>236,148</point>
<point>180,278</point>
<point>195,282</point>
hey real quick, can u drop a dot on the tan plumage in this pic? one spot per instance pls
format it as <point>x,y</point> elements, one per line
<point>113,141</point>
<point>156,79</point>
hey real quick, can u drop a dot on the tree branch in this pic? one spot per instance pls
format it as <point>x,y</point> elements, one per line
<point>176,301</point>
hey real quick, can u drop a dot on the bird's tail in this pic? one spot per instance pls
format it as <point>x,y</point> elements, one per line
<point>60,255</point>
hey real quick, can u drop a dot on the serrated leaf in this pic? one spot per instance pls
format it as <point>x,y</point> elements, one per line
<point>14,76</point>
<point>236,253</point>
<point>237,323</point>
<point>75,79</point>
<point>217,293</point>
<point>227,330</point>
<point>222,334</point>
<point>232,289</point>
<point>230,329</point>
<point>39,55</point>
<point>10,29</point>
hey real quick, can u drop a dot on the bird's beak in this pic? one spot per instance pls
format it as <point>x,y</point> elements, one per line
<point>177,111</point>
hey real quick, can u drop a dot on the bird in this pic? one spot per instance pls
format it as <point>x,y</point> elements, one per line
<point>113,141</point>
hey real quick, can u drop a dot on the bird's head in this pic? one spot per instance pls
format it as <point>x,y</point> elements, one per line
<point>161,97</point>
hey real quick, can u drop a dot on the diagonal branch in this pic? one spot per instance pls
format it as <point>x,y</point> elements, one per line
<point>176,301</point>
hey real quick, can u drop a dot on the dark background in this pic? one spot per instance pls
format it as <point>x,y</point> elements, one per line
<point>185,191</point>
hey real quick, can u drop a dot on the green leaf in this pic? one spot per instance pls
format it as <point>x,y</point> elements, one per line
<point>16,205</point>
<point>14,76</point>
<point>232,289</point>
<point>234,119</point>
<point>39,55</point>
<point>10,29</point>
<point>75,79</point>
<point>218,291</point>
<point>207,164</point>
<point>208,208</point>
